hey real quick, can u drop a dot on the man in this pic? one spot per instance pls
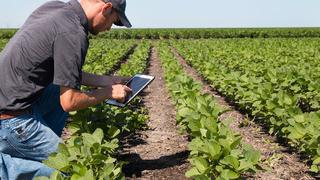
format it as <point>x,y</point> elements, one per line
<point>40,78</point>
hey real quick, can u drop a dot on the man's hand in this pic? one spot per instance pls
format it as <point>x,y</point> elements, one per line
<point>120,92</point>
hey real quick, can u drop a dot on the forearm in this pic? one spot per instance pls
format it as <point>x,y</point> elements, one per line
<point>77,100</point>
<point>94,80</point>
<point>72,99</point>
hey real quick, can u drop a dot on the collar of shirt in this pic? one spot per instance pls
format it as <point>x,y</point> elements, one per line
<point>75,4</point>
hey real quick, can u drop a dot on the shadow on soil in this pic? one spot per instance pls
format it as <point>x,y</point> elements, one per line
<point>132,140</point>
<point>136,165</point>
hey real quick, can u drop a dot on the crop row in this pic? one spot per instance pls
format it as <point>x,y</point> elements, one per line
<point>104,54</point>
<point>215,150</point>
<point>137,62</point>
<point>90,152</point>
<point>206,33</point>
<point>7,33</point>
<point>194,33</point>
<point>275,80</point>
<point>3,43</point>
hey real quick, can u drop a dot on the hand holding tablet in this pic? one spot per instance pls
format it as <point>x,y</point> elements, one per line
<point>137,83</point>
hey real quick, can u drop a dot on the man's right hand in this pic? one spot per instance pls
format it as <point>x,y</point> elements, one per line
<point>120,92</point>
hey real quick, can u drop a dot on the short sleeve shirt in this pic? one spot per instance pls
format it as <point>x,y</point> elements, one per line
<point>49,48</point>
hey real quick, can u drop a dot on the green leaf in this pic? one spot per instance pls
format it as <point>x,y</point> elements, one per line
<point>62,148</point>
<point>203,110</point>
<point>72,113</point>
<point>117,171</point>
<point>74,153</point>
<point>107,169</point>
<point>88,139</point>
<point>287,100</point>
<point>79,169</point>
<point>210,124</point>
<point>270,105</point>
<point>316,161</point>
<point>57,161</point>
<point>214,149</point>
<point>194,125</point>
<point>183,112</point>
<point>229,174</point>
<point>113,132</point>
<point>279,112</point>
<point>252,155</point>
<point>244,165</point>
<point>78,142</point>
<point>110,160</point>
<point>295,133</point>
<point>299,118</point>
<point>87,176</point>
<point>73,128</point>
<point>231,160</point>
<point>203,132</point>
<point>56,175</point>
<point>196,144</point>
<point>295,88</point>
<point>192,172</point>
<point>314,168</point>
<point>201,164</point>
<point>291,121</point>
<point>236,142</point>
<point>98,135</point>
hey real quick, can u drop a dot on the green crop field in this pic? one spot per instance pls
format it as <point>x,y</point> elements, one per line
<point>272,76</point>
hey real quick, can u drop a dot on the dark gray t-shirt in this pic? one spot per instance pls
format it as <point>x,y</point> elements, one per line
<point>49,48</point>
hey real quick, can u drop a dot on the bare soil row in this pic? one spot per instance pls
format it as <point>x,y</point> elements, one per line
<point>159,152</point>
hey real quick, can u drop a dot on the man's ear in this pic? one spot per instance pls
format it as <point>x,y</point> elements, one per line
<point>106,8</point>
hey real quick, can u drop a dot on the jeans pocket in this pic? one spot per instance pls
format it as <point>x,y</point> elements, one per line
<point>25,128</point>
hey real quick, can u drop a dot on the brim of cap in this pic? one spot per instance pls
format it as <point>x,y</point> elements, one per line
<point>124,21</point>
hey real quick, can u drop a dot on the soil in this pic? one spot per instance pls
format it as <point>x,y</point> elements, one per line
<point>279,161</point>
<point>159,152</point>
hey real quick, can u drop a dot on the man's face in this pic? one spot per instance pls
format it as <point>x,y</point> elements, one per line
<point>104,20</point>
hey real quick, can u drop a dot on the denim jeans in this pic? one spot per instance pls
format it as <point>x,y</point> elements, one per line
<point>28,139</point>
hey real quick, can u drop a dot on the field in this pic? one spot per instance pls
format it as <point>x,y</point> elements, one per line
<point>225,104</point>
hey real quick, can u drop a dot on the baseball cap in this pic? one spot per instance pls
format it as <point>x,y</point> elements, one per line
<point>120,7</point>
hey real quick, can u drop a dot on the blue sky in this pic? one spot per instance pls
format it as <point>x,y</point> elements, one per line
<point>194,14</point>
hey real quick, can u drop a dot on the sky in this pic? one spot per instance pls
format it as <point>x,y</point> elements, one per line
<point>194,14</point>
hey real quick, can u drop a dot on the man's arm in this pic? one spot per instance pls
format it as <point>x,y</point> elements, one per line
<point>94,80</point>
<point>72,99</point>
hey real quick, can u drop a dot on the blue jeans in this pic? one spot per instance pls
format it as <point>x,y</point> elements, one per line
<point>28,139</point>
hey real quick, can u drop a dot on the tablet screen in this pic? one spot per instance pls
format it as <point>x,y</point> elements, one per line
<point>136,84</point>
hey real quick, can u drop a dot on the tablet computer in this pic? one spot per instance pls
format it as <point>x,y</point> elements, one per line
<point>137,83</point>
